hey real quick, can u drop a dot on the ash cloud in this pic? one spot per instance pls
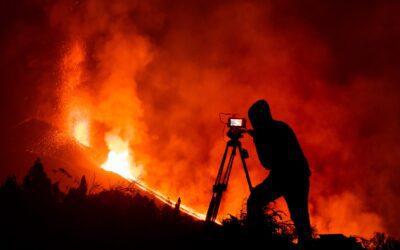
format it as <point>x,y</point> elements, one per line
<point>329,69</point>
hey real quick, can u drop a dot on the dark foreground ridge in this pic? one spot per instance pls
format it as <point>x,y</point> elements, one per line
<point>38,215</point>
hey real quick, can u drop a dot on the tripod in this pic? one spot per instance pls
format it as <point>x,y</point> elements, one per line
<point>224,173</point>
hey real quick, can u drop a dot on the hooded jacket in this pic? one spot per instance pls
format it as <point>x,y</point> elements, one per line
<point>277,146</point>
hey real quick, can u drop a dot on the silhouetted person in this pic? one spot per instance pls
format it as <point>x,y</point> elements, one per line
<point>177,209</point>
<point>178,204</point>
<point>279,151</point>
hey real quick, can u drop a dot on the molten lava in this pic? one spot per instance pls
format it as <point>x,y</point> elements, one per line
<point>80,132</point>
<point>79,112</point>
<point>154,78</point>
<point>120,159</point>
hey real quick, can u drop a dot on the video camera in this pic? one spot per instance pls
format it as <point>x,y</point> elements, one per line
<point>237,127</point>
<point>234,122</point>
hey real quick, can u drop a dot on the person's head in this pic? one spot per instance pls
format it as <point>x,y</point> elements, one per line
<point>260,114</point>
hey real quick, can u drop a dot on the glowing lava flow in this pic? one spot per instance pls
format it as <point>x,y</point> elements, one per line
<point>80,132</point>
<point>166,200</point>
<point>80,129</point>
<point>120,160</point>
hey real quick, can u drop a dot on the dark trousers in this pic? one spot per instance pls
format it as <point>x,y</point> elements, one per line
<point>294,189</point>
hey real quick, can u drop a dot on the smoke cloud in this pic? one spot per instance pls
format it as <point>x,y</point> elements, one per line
<point>157,73</point>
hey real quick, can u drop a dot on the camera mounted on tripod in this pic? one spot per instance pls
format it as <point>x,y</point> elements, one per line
<point>237,127</point>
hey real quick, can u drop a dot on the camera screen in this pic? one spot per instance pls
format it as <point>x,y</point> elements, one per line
<point>236,122</point>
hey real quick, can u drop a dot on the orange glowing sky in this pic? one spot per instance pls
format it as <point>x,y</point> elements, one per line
<point>140,85</point>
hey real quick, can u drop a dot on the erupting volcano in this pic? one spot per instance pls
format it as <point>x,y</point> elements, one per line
<point>135,88</point>
<point>119,159</point>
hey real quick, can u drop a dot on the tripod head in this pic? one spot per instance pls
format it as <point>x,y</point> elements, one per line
<point>235,133</point>
<point>237,127</point>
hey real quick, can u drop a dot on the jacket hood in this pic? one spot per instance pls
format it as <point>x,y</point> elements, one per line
<point>260,114</point>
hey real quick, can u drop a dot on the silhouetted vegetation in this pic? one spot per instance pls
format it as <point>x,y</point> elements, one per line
<point>37,215</point>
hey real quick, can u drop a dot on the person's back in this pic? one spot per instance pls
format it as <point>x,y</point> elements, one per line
<point>279,151</point>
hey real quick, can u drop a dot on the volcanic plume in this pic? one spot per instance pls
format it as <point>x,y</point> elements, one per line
<point>143,82</point>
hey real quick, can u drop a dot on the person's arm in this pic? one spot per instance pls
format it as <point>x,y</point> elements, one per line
<point>260,141</point>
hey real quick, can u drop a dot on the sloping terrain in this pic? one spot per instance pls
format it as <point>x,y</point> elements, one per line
<point>36,214</point>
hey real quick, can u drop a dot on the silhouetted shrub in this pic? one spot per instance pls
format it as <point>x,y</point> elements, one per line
<point>10,188</point>
<point>40,215</point>
<point>36,183</point>
<point>381,241</point>
<point>77,195</point>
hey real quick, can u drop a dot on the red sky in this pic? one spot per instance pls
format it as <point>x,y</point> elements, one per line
<point>159,72</point>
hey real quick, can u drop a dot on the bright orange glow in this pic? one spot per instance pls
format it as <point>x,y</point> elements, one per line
<point>81,132</point>
<point>166,200</point>
<point>147,92</point>
<point>120,159</point>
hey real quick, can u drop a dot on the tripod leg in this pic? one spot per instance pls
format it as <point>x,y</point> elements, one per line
<point>242,157</point>
<point>217,185</point>
<point>220,185</point>
<point>221,167</point>
<point>229,166</point>
<point>210,210</point>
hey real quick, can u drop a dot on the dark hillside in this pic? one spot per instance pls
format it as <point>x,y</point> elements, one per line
<point>38,215</point>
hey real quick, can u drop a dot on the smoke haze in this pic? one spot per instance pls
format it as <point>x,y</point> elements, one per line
<point>157,73</point>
